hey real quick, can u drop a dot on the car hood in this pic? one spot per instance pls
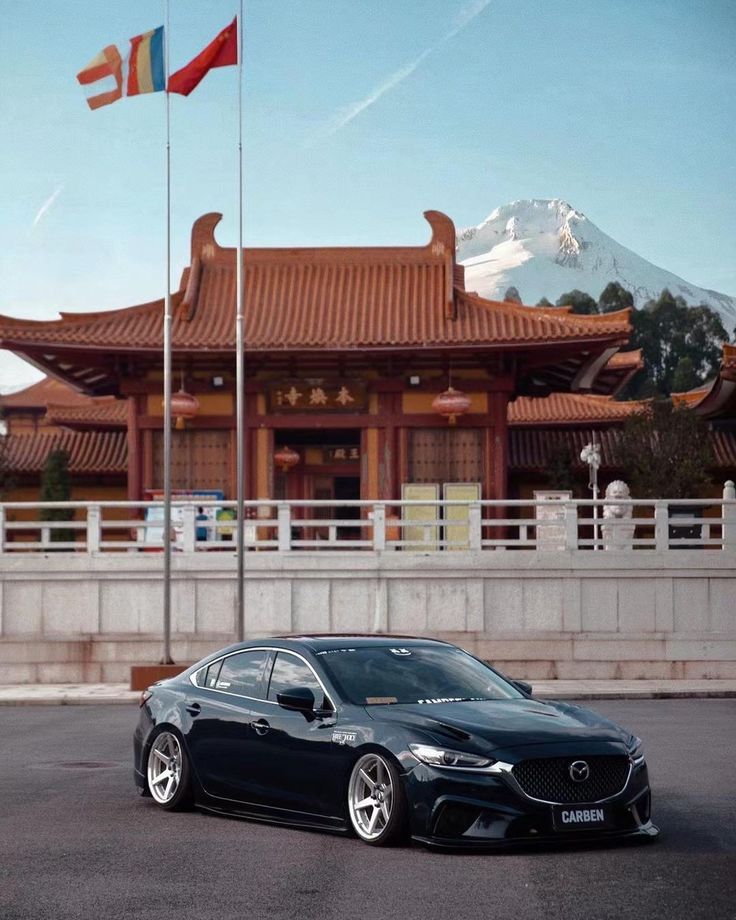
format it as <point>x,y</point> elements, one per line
<point>502,723</point>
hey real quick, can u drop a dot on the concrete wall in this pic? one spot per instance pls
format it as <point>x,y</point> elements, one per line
<point>72,617</point>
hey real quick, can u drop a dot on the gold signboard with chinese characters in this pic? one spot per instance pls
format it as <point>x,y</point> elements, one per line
<point>316,395</point>
<point>340,454</point>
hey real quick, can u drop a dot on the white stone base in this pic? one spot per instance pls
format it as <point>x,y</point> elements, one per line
<point>584,615</point>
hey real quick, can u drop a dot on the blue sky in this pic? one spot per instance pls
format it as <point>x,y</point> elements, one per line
<point>359,115</point>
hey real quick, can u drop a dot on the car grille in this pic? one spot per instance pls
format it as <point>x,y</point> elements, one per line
<point>549,778</point>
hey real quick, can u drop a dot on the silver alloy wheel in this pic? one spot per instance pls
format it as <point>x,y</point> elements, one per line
<point>164,767</point>
<point>370,796</point>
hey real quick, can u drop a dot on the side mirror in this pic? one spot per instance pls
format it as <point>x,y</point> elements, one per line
<point>298,699</point>
<point>523,686</point>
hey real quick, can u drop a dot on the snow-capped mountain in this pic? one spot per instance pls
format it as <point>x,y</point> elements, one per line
<point>545,248</point>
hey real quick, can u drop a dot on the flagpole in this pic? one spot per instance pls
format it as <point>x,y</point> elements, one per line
<point>166,657</point>
<point>240,362</point>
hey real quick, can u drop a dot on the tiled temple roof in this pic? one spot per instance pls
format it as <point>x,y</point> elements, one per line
<point>103,411</point>
<point>39,395</point>
<point>90,452</point>
<point>569,409</point>
<point>340,300</point>
<point>330,298</point>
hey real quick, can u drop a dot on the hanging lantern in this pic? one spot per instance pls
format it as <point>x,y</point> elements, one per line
<point>451,403</point>
<point>285,458</point>
<point>184,406</point>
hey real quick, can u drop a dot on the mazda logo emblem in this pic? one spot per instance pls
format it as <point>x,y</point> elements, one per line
<point>579,771</point>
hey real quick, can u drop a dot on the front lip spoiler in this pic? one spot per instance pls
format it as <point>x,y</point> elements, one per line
<point>646,833</point>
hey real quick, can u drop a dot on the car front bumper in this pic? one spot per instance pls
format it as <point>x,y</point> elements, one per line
<point>464,808</point>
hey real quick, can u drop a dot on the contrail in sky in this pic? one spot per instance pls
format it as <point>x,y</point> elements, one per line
<point>345,115</point>
<point>45,207</point>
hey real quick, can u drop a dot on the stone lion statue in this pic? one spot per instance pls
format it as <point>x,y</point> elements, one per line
<point>618,535</point>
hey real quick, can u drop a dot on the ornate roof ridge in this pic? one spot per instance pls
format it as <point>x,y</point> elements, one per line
<point>620,319</point>
<point>441,244</point>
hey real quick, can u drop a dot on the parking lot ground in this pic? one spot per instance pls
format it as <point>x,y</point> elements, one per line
<point>77,843</point>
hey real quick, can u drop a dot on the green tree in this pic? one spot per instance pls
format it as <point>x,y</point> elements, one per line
<point>665,452</point>
<point>56,487</point>
<point>560,467</point>
<point>668,330</point>
<point>685,376</point>
<point>544,303</point>
<point>614,296</point>
<point>578,300</point>
<point>512,295</point>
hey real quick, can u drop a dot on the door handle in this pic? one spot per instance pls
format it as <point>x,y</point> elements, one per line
<point>193,709</point>
<point>260,727</point>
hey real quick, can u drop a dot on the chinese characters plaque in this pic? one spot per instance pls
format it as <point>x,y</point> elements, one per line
<point>316,396</point>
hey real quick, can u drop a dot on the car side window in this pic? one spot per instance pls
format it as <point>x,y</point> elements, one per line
<point>207,677</point>
<point>240,673</point>
<point>290,671</point>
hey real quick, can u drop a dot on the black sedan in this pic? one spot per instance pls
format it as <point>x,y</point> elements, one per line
<point>390,737</point>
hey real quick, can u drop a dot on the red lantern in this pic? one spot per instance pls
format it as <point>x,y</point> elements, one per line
<point>451,403</point>
<point>285,458</point>
<point>184,406</point>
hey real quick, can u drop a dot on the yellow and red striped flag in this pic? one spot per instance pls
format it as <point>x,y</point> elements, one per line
<point>108,76</point>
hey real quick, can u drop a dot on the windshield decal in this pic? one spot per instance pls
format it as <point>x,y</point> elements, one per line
<point>334,651</point>
<point>442,699</point>
<point>454,699</point>
<point>400,651</point>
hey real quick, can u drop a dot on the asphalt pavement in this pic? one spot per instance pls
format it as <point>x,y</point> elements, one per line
<point>76,842</point>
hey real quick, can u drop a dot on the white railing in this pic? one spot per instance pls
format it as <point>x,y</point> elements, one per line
<point>409,526</point>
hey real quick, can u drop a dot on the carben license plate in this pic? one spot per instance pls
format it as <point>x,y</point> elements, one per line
<point>580,817</point>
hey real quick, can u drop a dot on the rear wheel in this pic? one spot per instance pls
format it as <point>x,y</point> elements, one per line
<point>377,801</point>
<point>168,773</point>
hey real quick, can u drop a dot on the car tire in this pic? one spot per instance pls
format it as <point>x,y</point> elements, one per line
<point>168,772</point>
<point>377,805</point>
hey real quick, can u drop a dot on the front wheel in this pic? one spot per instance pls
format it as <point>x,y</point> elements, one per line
<point>377,801</point>
<point>168,774</point>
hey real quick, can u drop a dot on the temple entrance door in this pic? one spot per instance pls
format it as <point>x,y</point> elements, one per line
<point>326,487</point>
<point>328,470</point>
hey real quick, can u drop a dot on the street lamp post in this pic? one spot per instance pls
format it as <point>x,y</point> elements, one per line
<point>591,454</point>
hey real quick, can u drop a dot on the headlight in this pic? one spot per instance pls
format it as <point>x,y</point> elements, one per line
<point>636,750</point>
<point>442,757</point>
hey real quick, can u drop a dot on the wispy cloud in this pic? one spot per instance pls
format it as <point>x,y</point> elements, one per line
<point>343,116</point>
<point>467,14</point>
<point>46,207</point>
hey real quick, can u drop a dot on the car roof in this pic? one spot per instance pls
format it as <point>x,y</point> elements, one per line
<point>320,641</point>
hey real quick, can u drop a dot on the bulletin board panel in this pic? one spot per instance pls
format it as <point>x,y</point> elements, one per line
<point>421,537</point>
<point>458,533</point>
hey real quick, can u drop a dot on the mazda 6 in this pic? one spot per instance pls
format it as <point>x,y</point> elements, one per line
<point>389,738</point>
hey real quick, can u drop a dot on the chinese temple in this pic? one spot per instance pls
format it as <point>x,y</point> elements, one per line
<point>368,370</point>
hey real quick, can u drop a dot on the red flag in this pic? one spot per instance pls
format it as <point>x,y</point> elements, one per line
<point>221,52</point>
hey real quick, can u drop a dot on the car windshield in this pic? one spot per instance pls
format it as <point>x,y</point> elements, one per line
<point>380,675</point>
